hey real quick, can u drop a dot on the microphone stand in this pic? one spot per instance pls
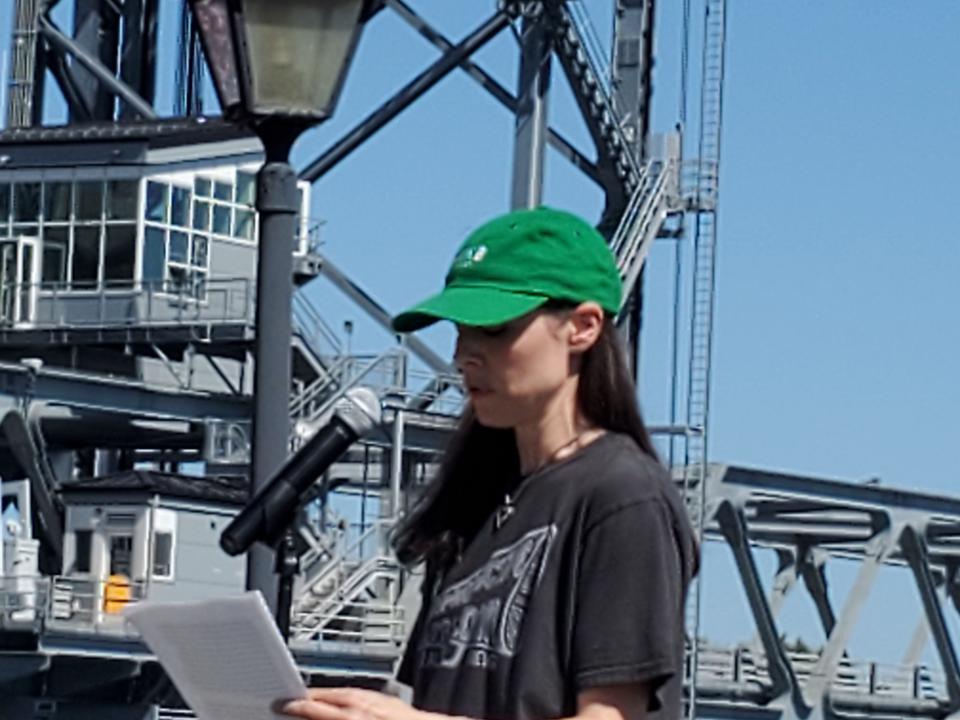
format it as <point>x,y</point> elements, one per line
<point>287,567</point>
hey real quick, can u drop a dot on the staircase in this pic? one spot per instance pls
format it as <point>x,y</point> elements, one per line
<point>655,197</point>
<point>588,73</point>
<point>350,596</point>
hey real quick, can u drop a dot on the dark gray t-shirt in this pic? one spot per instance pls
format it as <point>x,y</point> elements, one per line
<point>582,585</point>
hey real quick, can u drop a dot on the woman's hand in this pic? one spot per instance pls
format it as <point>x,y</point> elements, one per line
<point>351,704</point>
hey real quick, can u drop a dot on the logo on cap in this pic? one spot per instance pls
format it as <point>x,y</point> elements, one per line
<point>470,255</point>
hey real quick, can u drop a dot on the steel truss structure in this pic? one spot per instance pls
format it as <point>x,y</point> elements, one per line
<point>810,522</point>
<point>106,71</point>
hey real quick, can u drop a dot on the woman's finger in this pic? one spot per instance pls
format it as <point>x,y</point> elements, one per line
<point>344,695</point>
<point>311,709</point>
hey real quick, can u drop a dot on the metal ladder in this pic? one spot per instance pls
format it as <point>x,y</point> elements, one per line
<point>701,325</point>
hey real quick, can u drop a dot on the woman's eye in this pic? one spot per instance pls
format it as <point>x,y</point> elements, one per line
<point>494,331</point>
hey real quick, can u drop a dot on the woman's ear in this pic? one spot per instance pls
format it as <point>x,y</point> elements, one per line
<point>587,323</point>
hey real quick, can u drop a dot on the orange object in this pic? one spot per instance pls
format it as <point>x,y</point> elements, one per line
<point>116,593</point>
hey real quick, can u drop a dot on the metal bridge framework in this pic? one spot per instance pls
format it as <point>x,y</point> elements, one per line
<point>105,70</point>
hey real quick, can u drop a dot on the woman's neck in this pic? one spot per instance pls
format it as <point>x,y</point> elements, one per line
<point>557,433</point>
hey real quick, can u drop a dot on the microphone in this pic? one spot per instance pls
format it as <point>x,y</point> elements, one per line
<point>271,510</point>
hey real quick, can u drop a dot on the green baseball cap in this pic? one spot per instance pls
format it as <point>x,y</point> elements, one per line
<point>515,263</point>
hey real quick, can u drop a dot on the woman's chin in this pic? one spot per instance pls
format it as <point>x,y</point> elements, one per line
<point>490,419</point>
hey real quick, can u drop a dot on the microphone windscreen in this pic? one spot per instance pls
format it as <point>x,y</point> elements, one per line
<point>359,409</point>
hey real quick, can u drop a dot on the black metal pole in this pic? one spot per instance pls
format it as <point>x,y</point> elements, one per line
<point>288,565</point>
<point>277,204</point>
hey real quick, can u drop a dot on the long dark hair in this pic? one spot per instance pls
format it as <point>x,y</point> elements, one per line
<point>482,463</point>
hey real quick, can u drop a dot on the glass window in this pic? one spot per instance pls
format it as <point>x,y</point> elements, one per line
<point>221,219</point>
<point>121,554</point>
<point>163,554</point>
<point>202,186</point>
<point>84,540</point>
<point>178,246</point>
<point>89,200</point>
<point>56,201</point>
<point>122,200</point>
<point>4,202</point>
<point>179,280</point>
<point>180,207</point>
<point>55,242</point>
<point>154,254</point>
<point>201,215</point>
<point>86,256</point>
<point>200,251</point>
<point>156,201</point>
<point>244,224</point>
<point>26,202</point>
<point>199,284</point>
<point>246,188</point>
<point>223,191</point>
<point>119,254</point>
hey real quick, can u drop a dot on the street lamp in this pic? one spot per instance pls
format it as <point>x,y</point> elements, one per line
<point>278,66</point>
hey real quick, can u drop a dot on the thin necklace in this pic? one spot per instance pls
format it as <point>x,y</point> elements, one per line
<point>507,508</point>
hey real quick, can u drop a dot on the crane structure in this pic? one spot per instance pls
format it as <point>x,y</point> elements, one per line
<point>127,286</point>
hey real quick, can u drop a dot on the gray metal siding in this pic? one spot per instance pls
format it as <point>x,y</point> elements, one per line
<point>201,569</point>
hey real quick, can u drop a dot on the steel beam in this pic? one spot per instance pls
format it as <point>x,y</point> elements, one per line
<point>138,52</point>
<point>531,115</point>
<point>784,581</point>
<point>379,314</point>
<point>633,65</point>
<point>915,551</point>
<point>822,675</point>
<point>96,30</point>
<point>69,87</point>
<point>343,147</point>
<point>128,397</point>
<point>493,86</point>
<point>815,579</point>
<point>66,45</point>
<point>734,528</point>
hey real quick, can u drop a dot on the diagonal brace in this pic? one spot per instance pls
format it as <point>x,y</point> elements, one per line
<point>915,551</point>
<point>823,673</point>
<point>492,86</point>
<point>733,525</point>
<point>64,44</point>
<point>815,579</point>
<point>783,583</point>
<point>405,97</point>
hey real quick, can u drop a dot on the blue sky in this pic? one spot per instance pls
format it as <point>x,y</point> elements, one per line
<point>836,337</point>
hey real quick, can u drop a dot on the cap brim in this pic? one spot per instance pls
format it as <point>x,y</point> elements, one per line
<point>468,306</point>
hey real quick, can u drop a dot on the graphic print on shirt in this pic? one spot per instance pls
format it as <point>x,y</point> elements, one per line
<point>475,622</point>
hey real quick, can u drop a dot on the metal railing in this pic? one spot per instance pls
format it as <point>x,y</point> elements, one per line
<point>642,220</point>
<point>79,603</point>
<point>132,303</point>
<point>316,330</point>
<point>313,615</point>
<point>380,372</point>
<point>370,543</point>
<point>741,667</point>
<point>364,623</point>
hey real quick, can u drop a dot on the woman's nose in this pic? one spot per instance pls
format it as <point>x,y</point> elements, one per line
<point>464,352</point>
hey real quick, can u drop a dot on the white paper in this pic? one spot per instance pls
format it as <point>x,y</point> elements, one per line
<point>225,656</point>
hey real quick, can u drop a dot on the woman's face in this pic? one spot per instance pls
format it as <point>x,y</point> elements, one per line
<point>512,371</point>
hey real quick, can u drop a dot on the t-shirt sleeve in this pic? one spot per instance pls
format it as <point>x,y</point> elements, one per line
<point>629,607</point>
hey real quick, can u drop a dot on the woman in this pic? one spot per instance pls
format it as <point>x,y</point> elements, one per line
<point>558,552</point>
